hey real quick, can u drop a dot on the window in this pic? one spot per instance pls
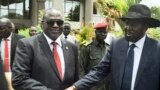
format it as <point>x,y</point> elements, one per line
<point>15,9</point>
<point>94,8</point>
<point>48,4</point>
<point>72,10</point>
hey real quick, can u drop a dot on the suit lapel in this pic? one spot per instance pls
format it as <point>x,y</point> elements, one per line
<point>123,46</point>
<point>66,55</point>
<point>46,49</point>
<point>13,47</point>
<point>147,49</point>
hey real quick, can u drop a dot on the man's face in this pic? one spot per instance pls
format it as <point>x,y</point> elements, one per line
<point>32,31</point>
<point>66,30</point>
<point>53,26</point>
<point>5,29</point>
<point>134,29</point>
<point>101,34</point>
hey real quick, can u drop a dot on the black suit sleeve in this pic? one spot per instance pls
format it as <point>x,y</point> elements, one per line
<point>3,82</point>
<point>21,72</point>
<point>76,64</point>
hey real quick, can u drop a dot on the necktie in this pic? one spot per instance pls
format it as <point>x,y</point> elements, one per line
<point>6,56</point>
<point>65,37</point>
<point>127,77</point>
<point>57,59</point>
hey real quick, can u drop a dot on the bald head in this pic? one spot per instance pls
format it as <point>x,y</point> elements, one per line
<point>32,31</point>
<point>52,13</point>
<point>52,23</point>
<point>5,27</point>
<point>6,21</point>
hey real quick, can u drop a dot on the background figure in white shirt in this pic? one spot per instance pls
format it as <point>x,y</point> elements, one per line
<point>66,33</point>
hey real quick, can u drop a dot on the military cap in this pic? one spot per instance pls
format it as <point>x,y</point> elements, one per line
<point>100,25</point>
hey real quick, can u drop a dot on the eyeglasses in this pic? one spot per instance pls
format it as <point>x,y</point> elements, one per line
<point>53,21</point>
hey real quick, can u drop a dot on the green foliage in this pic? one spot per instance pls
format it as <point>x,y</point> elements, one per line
<point>85,35</point>
<point>155,12</point>
<point>74,14</point>
<point>154,33</point>
<point>114,8</point>
<point>24,32</point>
<point>40,16</point>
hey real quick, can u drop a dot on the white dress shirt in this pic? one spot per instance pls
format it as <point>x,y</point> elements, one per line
<point>9,49</point>
<point>70,38</point>
<point>137,56</point>
<point>59,50</point>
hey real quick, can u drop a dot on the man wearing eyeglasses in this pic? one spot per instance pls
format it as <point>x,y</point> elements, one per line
<point>92,52</point>
<point>43,62</point>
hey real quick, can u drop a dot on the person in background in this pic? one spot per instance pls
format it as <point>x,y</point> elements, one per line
<point>8,42</point>
<point>92,52</point>
<point>32,31</point>
<point>66,33</point>
<point>133,60</point>
<point>46,61</point>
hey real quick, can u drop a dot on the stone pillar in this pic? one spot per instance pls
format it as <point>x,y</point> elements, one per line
<point>39,5</point>
<point>88,11</point>
<point>34,13</point>
<point>59,5</point>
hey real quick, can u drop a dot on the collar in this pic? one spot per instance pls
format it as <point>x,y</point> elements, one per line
<point>9,37</point>
<point>99,44</point>
<point>139,44</point>
<point>49,40</point>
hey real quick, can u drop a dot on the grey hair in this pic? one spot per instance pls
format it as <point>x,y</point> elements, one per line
<point>6,21</point>
<point>52,12</point>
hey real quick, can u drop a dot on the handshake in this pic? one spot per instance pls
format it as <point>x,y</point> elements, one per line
<point>71,88</point>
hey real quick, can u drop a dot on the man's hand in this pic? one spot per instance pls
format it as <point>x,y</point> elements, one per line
<point>71,88</point>
<point>8,78</point>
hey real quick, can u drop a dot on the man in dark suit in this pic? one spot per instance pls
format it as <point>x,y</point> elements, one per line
<point>8,42</point>
<point>134,60</point>
<point>6,36</point>
<point>38,65</point>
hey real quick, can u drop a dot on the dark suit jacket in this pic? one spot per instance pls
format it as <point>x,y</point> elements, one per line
<point>148,74</point>
<point>3,82</point>
<point>14,40</point>
<point>34,67</point>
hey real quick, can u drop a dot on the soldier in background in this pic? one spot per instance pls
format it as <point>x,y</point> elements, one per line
<point>93,52</point>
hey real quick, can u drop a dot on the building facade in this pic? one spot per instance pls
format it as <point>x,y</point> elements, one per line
<point>25,13</point>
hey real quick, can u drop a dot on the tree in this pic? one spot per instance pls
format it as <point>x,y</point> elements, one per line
<point>114,9</point>
<point>74,14</point>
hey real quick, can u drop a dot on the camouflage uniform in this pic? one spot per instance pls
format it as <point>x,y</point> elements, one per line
<point>90,55</point>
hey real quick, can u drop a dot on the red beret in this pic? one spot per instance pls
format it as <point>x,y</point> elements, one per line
<point>100,25</point>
